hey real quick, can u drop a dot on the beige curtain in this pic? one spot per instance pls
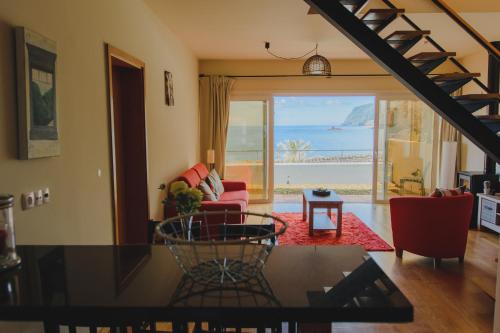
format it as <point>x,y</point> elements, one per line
<point>215,92</point>
<point>448,133</point>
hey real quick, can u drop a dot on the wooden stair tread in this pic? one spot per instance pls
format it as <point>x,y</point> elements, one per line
<point>381,14</point>
<point>353,6</point>
<point>405,35</point>
<point>478,97</point>
<point>455,76</point>
<point>429,56</point>
<point>491,117</point>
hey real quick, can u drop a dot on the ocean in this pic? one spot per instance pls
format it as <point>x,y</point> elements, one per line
<point>245,142</point>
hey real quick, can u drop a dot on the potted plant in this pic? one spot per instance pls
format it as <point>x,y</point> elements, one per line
<point>186,200</point>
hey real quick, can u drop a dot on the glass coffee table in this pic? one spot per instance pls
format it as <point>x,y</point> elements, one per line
<point>322,221</point>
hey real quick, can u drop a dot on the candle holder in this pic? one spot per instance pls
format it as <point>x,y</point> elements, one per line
<point>8,255</point>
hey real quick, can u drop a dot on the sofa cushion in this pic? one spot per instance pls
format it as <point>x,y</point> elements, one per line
<point>201,169</point>
<point>235,195</point>
<point>208,194</point>
<point>215,183</point>
<point>191,177</point>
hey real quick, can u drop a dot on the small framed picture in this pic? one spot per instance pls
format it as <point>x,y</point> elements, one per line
<point>36,84</point>
<point>169,89</point>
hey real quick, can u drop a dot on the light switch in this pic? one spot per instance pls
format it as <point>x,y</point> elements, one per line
<point>46,195</point>
<point>28,200</point>
<point>39,198</point>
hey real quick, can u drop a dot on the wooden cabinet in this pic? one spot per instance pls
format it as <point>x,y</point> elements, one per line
<point>488,215</point>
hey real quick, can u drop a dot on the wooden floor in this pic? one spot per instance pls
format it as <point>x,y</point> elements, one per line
<point>453,298</point>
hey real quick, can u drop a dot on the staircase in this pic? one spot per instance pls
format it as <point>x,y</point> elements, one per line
<point>414,71</point>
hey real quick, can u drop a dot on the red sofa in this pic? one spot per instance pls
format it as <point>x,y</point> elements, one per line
<point>431,227</point>
<point>234,198</point>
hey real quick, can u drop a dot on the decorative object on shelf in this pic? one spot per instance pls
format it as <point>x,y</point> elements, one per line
<point>169,88</point>
<point>487,187</point>
<point>219,253</point>
<point>211,159</point>
<point>8,255</point>
<point>38,132</point>
<point>186,199</point>
<point>314,65</point>
<point>321,192</point>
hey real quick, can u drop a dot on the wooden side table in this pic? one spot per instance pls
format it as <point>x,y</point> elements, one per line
<point>322,222</point>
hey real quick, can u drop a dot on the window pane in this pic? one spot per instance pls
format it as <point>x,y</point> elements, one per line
<point>246,146</point>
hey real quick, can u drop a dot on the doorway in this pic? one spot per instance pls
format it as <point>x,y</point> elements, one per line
<point>128,144</point>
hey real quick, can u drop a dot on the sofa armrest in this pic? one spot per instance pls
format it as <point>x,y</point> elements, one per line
<point>234,185</point>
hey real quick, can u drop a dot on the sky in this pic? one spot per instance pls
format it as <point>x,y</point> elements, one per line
<point>315,110</point>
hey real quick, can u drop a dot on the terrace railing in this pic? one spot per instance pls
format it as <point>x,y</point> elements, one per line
<point>301,156</point>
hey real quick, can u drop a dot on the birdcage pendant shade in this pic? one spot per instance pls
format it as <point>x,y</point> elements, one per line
<point>317,65</point>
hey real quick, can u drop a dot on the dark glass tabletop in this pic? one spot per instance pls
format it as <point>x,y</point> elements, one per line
<point>95,283</point>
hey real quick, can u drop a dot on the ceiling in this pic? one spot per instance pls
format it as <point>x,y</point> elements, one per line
<point>237,29</point>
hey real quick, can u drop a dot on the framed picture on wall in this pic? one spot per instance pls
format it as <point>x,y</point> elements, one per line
<point>169,89</point>
<point>38,131</point>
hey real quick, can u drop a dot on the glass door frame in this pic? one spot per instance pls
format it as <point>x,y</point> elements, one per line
<point>435,140</point>
<point>268,139</point>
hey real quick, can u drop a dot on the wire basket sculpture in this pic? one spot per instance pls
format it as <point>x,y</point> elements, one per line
<point>212,251</point>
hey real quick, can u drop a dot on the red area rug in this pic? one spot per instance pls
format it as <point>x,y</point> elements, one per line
<point>354,232</point>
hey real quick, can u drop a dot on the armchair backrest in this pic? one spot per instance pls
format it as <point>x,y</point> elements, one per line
<point>425,225</point>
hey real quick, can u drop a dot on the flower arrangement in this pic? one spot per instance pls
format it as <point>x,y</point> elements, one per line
<point>187,200</point>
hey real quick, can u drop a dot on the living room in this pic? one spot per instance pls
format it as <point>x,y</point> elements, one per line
<point>188,54</point>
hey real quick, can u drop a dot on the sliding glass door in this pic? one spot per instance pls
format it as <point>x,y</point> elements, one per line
<point>247,152</point>
<point>406,148</point>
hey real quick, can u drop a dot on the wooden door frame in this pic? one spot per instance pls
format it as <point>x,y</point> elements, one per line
<point>115,53</point>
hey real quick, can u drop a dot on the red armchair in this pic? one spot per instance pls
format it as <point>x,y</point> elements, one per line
<point>431,227</point>
<point>234,198</point>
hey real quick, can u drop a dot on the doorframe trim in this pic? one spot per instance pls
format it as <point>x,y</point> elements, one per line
<point>110,53</point>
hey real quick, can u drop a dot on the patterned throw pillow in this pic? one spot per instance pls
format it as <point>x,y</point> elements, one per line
<point>439,192</point>
<point>208,194</point>
<point>215,182</point>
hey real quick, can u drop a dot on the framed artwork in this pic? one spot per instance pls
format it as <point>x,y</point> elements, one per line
<point>38,131</point>
<point>169,89</point>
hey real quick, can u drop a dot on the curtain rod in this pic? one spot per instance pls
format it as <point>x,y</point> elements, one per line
<point>297,75</point>
<point>301,75</point>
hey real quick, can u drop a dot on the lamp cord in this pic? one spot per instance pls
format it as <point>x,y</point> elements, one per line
<point>267,45</point>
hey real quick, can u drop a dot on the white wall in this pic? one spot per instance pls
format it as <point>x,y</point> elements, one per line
<point>80,211</point>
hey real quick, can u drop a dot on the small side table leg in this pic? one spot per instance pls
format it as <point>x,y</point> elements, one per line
<point>329,212</point>
<point>339,221</point>
<point>311,220</point>
<point>304,208</point>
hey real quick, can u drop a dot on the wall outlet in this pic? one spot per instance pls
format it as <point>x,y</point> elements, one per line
<point>46,195</point>
<point>28,200</point>
<point>39,198</point>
